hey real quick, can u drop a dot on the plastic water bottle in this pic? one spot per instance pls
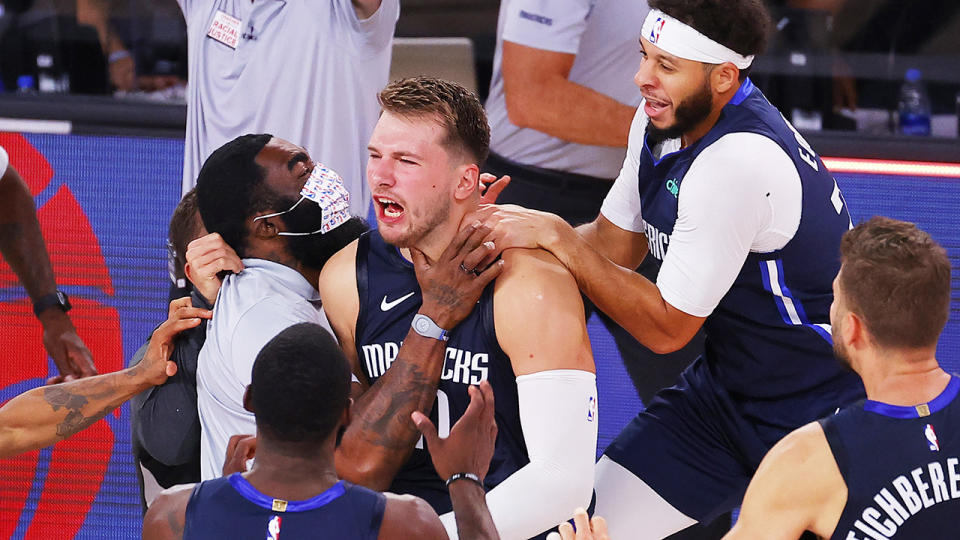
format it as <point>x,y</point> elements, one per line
<point>26,84</point>
<point>914,105</point>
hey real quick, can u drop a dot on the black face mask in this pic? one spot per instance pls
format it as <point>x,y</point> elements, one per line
<point>310,249</point>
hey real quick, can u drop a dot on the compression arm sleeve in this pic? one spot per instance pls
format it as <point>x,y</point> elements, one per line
<point>558,415</point>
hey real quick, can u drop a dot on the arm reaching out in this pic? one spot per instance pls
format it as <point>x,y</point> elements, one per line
<point>49,414</point>
<point>23,248</point>
<point>467,450</point>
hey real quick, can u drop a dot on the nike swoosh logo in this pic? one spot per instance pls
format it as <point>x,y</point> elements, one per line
<point>387,306</point>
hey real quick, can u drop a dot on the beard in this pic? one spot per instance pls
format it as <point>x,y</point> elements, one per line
<point>690,112</point>
<point>315,249</point>
<point>438,213</point>
<point>839,350</point>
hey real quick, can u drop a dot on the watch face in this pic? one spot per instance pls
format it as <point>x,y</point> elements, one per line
<point>423,325</point>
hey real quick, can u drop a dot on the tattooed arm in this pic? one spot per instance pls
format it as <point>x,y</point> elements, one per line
<point>381,435</point>
<point>49,414</point>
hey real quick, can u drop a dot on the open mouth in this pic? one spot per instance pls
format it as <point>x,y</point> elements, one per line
<point>654,107</point>
<point>389,208</point>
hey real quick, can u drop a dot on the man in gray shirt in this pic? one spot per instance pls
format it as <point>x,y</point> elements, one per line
<point>306,70</point>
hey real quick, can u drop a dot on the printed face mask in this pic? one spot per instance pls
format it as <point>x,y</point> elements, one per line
<point>325,188</point>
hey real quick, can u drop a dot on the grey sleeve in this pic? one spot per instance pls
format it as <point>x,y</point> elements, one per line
<point>164,419</point>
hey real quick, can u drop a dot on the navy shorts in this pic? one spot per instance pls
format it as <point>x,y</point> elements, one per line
<point>697,448</point>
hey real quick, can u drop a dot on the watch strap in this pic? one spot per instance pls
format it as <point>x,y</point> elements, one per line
<point>57,298</point>
<point>425,326</point>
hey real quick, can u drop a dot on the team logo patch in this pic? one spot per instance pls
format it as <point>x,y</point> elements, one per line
<point>591,409</point>
<point>273,528</point>
<point>657,28</point>
<point>931,436</point>
<point>673,187</point>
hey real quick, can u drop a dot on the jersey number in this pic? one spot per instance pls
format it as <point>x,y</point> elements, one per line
<point>443,417</point>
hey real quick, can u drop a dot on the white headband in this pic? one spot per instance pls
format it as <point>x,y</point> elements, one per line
<point>681,40</point>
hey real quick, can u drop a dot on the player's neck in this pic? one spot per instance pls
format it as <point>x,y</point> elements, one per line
<point>437,239</point>
<point>290,477</point>
<point>905,378</point>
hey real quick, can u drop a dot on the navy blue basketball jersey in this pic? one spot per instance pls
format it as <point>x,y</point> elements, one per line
<point>901,466</point>
<point>231,507</point>
<point>769,336</point>
<point>389,298</point>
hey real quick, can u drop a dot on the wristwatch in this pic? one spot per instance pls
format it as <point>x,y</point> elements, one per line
<point>58,298</point>
<point>425,326</point>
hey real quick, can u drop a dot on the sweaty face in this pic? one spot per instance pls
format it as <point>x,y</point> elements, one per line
<point>676,91</point>
<point>411,177</point>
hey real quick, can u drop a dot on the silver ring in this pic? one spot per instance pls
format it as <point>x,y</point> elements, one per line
<point>465,269</point>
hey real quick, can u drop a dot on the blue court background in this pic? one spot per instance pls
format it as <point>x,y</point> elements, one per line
<point>129,186</point>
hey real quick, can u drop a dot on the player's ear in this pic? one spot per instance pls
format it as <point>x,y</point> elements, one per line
<point>248,399</point>
<point>854,331</point>
<point>468,181</point>
<point>724,77</point>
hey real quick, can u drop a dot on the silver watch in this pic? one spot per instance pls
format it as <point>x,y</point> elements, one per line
<point>425,326</point>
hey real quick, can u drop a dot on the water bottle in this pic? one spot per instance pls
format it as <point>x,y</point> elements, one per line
<point>26,84</point>
<point>914,105</point>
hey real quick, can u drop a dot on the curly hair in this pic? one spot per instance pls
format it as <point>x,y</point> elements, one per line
<point>300,385</point>
<point>458,109</point>
<point>740,25</point>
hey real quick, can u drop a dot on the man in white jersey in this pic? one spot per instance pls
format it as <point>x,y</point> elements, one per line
<point>746,223</point>
<point>304,70</point>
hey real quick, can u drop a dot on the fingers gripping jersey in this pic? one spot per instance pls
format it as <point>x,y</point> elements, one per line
<point>230,507</point>
<point>389,298</point>
<point>901,466</point>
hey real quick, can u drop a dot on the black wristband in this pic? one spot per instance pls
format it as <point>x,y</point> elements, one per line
<point>464,475</point>
<point>46,301</point>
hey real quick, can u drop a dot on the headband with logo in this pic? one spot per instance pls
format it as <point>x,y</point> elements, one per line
<point>683,41</point>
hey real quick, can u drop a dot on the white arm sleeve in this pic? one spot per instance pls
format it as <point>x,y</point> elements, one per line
<point>622,204</point>
<point>741,194</point>
<point>558,414</point>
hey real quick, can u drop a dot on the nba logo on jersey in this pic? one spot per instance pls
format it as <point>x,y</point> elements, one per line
<point>931,438</point>
<point>273,528</point>
<point>591,409</point>
<point>657,28</point>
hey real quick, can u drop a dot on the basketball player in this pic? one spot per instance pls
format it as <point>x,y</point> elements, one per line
<point>746,222</point>
<point>888,467</point>
<point>293,491</point>
<point>526,335</point>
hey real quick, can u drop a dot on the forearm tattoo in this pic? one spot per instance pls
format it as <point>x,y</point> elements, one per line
<point>58,397</point>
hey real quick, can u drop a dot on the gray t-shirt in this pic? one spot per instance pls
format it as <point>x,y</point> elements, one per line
<point>307,71</point>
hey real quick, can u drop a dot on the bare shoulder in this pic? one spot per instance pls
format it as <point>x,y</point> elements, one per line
<point>340,268</point>
<point>536,263</point>
<point>538,314</point>
<point>406,516</point>
<point>338,286</point>
<point>166,516</point>
<point>797,486</point>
